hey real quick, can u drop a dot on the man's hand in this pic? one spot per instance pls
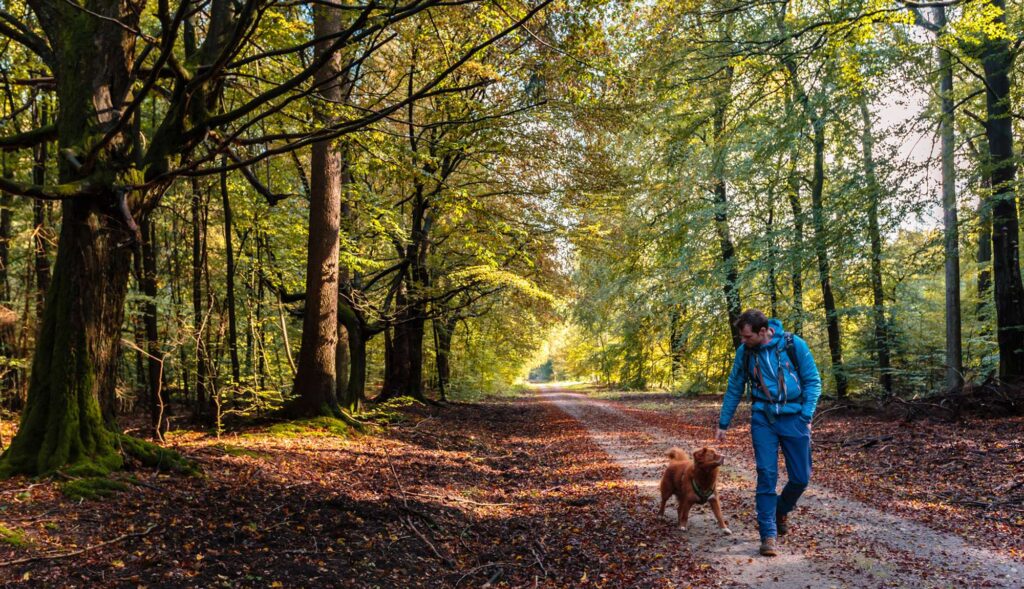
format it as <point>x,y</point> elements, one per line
<point>719,435</point>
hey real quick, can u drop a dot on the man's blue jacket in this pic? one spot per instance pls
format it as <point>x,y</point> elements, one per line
<point>801,389</point>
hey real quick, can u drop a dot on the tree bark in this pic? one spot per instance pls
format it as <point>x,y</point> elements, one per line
<point>199,317</point>
<point>444,330</point>
<point>1009,291</point>
<point>350,397</point>
<point>835,344</point>
<point>984,261</point>
<point>76,351</point>
<point>159,406</point>
<point>41,231</point>
<point>951,224</point>
<point>230,255</point>
<point>796,254</point>
<point>882,350</point>
<point>316,380</point>
<point>6,215</point>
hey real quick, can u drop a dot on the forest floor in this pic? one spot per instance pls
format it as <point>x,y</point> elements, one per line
<point>553,489</point>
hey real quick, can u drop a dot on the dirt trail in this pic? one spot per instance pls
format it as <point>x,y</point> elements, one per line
<point>865,547</point>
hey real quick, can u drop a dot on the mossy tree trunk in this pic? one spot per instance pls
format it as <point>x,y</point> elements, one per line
<point>74,362</point>
<point>76,350</point>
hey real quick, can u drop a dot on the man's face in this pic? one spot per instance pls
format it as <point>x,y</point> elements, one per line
<point>752,339</point>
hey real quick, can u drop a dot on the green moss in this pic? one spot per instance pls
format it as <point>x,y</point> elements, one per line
<point>91,488</point>
<point>241,451</point>
<point>15,538</point>
<point>153,456</point>
<point>317,426</point>
<point>390,411</point>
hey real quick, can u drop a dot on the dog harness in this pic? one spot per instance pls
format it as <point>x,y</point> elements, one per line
<point>702,494</point>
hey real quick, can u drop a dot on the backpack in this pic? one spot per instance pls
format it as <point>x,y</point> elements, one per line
<point>790,351</point>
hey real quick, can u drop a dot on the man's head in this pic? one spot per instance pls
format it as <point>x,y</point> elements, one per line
<point>753,327</point>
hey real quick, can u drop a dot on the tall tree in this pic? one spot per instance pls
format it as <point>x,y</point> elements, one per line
<point>997,60</point>
<point>882,339</point>
<point>815,115</point>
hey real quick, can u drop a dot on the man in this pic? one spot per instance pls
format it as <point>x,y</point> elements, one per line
<point>785,386</point>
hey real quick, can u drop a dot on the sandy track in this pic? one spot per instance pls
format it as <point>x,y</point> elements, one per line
<point>863,547</point>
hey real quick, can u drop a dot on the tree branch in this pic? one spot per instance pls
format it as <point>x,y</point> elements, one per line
<point>28,138</point>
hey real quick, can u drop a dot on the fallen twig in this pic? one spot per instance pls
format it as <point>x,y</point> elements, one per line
<point>423,538</point>
<point>77,552</point>
<point>459,500</point>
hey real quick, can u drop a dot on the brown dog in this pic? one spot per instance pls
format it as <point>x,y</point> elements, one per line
<point>692,482</point>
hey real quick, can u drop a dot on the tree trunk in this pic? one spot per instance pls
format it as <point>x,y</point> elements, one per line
<point>199,316</point>
<point>6,215</point>
<point>77,347</point>
<point>1009,292</point>
<point>797,249</point>
<point>41,231</point>
<point>158,398</point>
<point>835,345</point>
<point>444,329</point>
<point>676,343</point>
<point>730,287</point>
<point>230,253</point>
<point>875,235</point>
<point>773,280</point>
<point>403,356</point>
<point>351,396</point>
<point>316,380</point>
<point>984,261</point>
<point>951,229</point>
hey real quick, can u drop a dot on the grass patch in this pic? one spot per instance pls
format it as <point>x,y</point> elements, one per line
<point>15,538</point>
<point>231,450</point>
<point>323,427</point>
<point>91,488</point>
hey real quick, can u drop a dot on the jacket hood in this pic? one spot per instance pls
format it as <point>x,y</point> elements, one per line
<point>780,333</point>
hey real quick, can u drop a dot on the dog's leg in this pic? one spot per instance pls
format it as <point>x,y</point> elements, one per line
<point>717,508</point>
<point>684,513</point>
<point>664,500</point>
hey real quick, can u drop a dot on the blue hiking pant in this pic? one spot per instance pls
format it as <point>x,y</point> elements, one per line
<point>789,432</point>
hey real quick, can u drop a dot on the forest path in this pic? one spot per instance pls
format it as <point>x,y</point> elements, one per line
<point>834,541</point>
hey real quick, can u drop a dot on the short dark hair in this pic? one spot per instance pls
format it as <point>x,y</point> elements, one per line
<point>755,318</point>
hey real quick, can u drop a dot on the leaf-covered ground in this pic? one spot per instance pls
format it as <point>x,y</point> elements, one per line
<point>504,493</point>
<point>510,493</point>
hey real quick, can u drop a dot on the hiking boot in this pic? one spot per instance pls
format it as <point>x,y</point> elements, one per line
<point>768,547</point>
<point>780,523</point>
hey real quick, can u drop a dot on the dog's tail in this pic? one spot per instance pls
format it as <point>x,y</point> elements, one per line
<point>676,454</point>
